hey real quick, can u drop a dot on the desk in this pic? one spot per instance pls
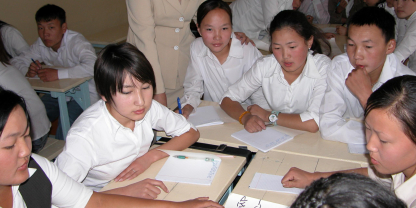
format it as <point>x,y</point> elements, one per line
<point>75,88</point>
<point>117,34</point>
<point>278,163</point>
<point>227,172</point>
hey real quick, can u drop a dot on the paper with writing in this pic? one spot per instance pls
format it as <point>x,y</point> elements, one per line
<point>240,201</point>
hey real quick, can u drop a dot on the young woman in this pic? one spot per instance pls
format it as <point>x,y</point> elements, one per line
<point>111,139</point>
<point>293,79</point>
<point>218,59</point>
<point>390,121</point>
<point>29,180</point>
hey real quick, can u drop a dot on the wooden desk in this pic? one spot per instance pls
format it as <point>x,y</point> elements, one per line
<point>117,34</point>
<point>75,88</point>
<point>227,172</point>
<point>278,163</point>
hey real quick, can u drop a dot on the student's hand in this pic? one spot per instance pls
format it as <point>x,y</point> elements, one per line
<point>146,189</point>
<point>256,110</point>
<point>200,202</point>
<point>33,69</point>
<point>341,30</point>
<point>341,6</point>
<point>297,178</point>
<point>310,18</point>
<point>359,84</point>
<point>48,74</point>
<point>134,169</point>
<point>329,35</point>
<point>243,38</point>
<point>253,123</point>
<point>186,110</point>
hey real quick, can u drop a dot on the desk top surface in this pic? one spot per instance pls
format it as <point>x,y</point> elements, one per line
<point>61,85</point>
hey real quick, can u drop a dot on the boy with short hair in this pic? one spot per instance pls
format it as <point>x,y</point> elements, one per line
<point>70,54</point>
<point>368,63</point>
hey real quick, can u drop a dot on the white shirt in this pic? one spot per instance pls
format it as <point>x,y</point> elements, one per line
<point>302,97</point>
<point>12,79</point>
<point>74,59</point>
<point>98,148</point>
<point>206,76</point>
<point>406,41</point>
<point>341,112</point>
<point>65,191</point>
<point>13,41</point>
<point>252,16</point>
<point>318,9</point>
<point>404,190</point>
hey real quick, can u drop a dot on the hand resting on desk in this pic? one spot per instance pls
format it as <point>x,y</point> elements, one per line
<point>146,189</point>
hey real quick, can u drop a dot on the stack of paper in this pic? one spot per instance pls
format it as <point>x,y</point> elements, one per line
<point>264,140</point>
<point>271,183</point>
<point>205,116</point>
<point>239,201</point>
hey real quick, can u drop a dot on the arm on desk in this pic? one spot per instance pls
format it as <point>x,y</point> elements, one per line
<point>24,60</point>
<point>145,189</point>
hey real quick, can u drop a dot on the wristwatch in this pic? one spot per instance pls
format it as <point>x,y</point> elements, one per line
<point>273,117</point>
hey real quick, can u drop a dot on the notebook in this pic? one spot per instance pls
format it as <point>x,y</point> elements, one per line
<point>264,140</point>
<point>205,116</point>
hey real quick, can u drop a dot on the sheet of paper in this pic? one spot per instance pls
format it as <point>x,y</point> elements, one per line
<point>358,149</point>
<point>271,183</point>
<point>197,169</point>
<point>335,51</point>
<point>329,30</point>
<point>205,116</point>
<point>264,140</point>
<point>240,201</point>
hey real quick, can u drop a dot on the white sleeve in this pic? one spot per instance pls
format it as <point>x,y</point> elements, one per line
<point>194,83</point>
<point>23,61</point>
<point>13,41</point>
<point>321,10</point>
<point>65,191</point>
<point>407,46</point>
<point>270,8</point>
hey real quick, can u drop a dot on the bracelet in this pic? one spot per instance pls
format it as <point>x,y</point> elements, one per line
<point>241,116</point>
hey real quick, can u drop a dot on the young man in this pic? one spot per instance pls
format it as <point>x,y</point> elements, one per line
<point>66,54</point>
<point>368,64</point>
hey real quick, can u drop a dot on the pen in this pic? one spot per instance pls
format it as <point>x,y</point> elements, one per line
<point>34,62</point>
<point>338,4</point>
<point>194,158</point>
<point>179,105</point>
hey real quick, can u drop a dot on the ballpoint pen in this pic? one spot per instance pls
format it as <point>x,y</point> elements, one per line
<point>179,106</point>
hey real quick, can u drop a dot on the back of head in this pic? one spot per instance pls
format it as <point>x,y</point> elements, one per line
<point>8,101</point>
<point>210,5</point>
<point>375,16</point>
<point>114,63</point>
<point>342,190</point>
<point>50,12</point>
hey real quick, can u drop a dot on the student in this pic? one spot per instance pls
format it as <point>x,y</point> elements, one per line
<point>66,53</point>
<point>354,75</point>
<point>29,180</point>
<point>217,61</point>
<point>111,139</point>
<point>406,39</point>
<point>347,190</point>
<point>390,123</point>
<point>13,40</point>
<point>316,11</point>
<point>341,10</point>
<point>293,79</point>
<point>12,79</point>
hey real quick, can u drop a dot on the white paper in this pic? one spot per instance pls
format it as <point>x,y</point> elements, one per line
<point>358,149</point>
<point>329,30</point>
<point>335,51</point>
<point>271,183</point>
<point>205,116</point>
<point>264,140</point>
<point>194,171</point>
<point>240,201</point>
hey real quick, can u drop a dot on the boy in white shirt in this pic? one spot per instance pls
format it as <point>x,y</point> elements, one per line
<point>66,53</point>
<point>354,75</point>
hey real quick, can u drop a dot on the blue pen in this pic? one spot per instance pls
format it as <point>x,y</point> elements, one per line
<point>34,61</point>
<point>338,4</point>
<point>179,105</point>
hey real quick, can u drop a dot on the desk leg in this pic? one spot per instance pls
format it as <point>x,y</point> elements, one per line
<point>63,111</point>
<point>83,96</point>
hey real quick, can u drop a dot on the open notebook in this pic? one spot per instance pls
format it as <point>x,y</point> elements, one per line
<point>264,140</point>
<point>205,116</point>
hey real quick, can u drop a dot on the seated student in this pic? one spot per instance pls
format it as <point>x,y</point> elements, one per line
<point>406,38</point>
<point>293,79</point>
<point>68,52</point>
<point>111,139</point>
<point>217,61</point>
<point>390,123</point>
<point>12,79</point>
<point>316,11</point>
<point>354,75</point>
<point>253,17</point>
<point>347,190</point>
<point>13,40</point>
<point>30,180</point>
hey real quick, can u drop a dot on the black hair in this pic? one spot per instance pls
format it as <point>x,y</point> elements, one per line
<point>398,97</point>
<point>375,16</point>
<point>210,5</point>
<point>347,190</point>
<point>8,101</point>
<point>297,21</point>
<point>50,12</point>
<point>114,63</point>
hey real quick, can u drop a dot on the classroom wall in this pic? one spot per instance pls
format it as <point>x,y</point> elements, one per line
<point>84,16</point>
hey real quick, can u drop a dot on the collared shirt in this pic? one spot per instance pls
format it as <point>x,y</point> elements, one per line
<point>65,191</point>
<point>341,112</point>
<point>13,41</point>
<point>404,190</point>
<point>12,79</point>
<point>74,59</point>
<point>406,41</point>
<point>302,97</point>
<point>98,148</point>
<point>318,9</point>
<point>252,16</point>
<point>206,76</point>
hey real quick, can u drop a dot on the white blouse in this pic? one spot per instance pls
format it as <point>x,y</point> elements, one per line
<point>406,41</point>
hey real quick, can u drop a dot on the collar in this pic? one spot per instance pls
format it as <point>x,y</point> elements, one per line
<point>236,49</point>
<point>310,69</point>
<point>411,18</point>
<point>15,188</point>
<point>387,72</point>
<point>63,42</point>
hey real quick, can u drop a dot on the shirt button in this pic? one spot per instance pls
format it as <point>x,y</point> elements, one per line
<point>181,19</point>
<point>176,48</point>
<point>177,30</point>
